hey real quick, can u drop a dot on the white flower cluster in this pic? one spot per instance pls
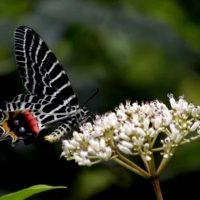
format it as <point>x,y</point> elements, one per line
<point>133,129</point>
<point>185,120</point>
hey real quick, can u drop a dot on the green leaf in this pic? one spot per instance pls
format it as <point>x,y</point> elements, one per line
<point>23,194</point>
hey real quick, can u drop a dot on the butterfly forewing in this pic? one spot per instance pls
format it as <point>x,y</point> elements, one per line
<point>39,68</point>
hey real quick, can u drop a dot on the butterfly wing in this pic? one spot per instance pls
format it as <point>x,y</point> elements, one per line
<point>51,97</point>
<point>39,68</point>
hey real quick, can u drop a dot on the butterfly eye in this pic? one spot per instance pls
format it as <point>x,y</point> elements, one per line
<point>22,129</point>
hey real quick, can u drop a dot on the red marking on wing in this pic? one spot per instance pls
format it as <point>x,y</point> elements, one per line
<point>32,121</point>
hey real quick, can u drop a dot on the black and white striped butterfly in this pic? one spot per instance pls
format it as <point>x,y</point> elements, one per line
<point>51,97</point>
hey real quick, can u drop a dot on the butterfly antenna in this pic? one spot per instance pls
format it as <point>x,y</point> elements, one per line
<point>91,97</point>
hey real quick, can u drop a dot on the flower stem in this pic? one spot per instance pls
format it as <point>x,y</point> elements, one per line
<point>156,187</point>
<point>151,165</point>
<point>145,162</point>
<point>145,175</point>
<point>133,165</point>
<point>163,163</point>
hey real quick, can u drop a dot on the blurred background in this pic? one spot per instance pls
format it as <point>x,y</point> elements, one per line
<point>128,49</point>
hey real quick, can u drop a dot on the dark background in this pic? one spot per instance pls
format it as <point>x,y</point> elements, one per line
<point>137,49</point>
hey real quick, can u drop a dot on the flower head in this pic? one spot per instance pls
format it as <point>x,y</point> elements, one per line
<point>132,129</point>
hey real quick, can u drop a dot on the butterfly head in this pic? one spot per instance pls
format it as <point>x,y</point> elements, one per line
<point>83,115</point>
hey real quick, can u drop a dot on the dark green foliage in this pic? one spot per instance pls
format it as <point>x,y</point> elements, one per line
<point>142,50</point>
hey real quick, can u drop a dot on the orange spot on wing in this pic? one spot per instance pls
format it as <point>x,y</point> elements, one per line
<point>7,130</point>
<point>6,127</point>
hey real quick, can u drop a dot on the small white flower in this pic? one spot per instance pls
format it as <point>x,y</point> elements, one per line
<point>74,143</point>
<point>68,145</point>
<point>167,118</point>
<point>94,144</point>
<point>151,132</point>
<point>146,147</point>
<point>123,136</point>
<point>140,141</point>
<point>189,108</point>
<point>140,132</point>
<point>146,124</point>
<point>78,159</point>
<point>124,149</point>
<point>83,154</point>
<point>165,155</point>
<point>127,144</point>
<point>134,140</point>
<point>178,138</point>
<point>102,144</point>
<point>148,158</point>
<point>91,151</point>
<point>174,135</point>
<point>194,112</point>
<point>77,136</point>
<point>167,140</point>
<point>172,101</point>
<point>157,122</point>
<point>136,122</point>
<point>173,129</point>
<point>198,109</point>
<point>108,152</point>
<point>194,126</point>
<point>128,128</point>
<point>97,131</point>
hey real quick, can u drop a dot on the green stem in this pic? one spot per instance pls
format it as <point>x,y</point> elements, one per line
<point>145,175</point>
<point>145,162</point>
<point>153,141</point>
<point>157,149</point>
<point>133,165</point>
<point>151,165</point>
<point>163,163</point>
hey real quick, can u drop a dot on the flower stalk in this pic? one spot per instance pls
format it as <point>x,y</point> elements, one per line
<point>156,186</point>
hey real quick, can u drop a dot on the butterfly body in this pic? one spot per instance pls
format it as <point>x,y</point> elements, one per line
<point>51,98</point>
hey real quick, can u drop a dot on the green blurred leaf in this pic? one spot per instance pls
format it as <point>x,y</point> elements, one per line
<point>23,194</point>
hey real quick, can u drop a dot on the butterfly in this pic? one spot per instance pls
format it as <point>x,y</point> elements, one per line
<point>51,98</point>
